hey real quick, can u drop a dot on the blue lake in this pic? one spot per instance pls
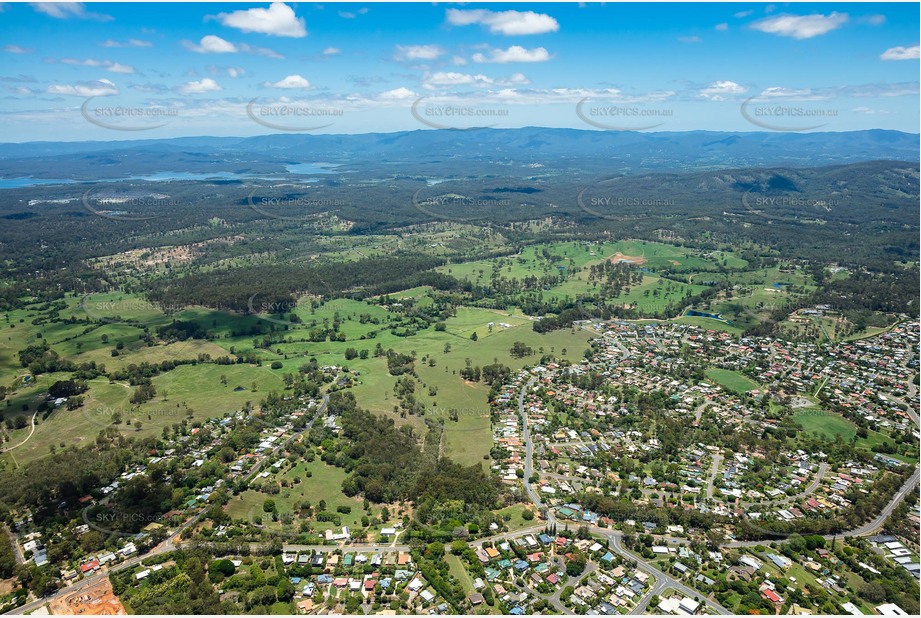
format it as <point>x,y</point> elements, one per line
<point>295,169</point>
<point>18,183</point>
<point>311,168</point>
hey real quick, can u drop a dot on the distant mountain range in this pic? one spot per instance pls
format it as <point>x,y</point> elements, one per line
<point>627,151</point>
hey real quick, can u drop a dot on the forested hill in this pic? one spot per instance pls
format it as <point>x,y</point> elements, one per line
<point>632,150</point>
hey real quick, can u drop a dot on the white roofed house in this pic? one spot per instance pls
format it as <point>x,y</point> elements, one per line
<point>891,609</point>
<point>689,605</point>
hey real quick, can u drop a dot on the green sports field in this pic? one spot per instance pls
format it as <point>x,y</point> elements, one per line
<point>731,380</point>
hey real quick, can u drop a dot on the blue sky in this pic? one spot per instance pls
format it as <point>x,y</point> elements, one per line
<point>104,71</point>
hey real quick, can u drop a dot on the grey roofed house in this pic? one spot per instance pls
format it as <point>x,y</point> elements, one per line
<point>750,562</point>
<point>607,609</point>
<point>704,579</point>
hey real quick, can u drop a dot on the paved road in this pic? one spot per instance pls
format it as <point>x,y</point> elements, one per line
<point>529,447</point>
<point>908,409</point>
<point>505,536</point>
<point>663,580</point>
<point>714,469</point>
<point>77,587</point>
<point>699,412</point>
<point>875,524</point>
<point>284,443</point>
<point>658,589</point>
<point>810,489</point>
<point>367,548</point>
<point>533,495</point>
<point>868,529</point>
<point>612,535</point>
<point>166,546</point>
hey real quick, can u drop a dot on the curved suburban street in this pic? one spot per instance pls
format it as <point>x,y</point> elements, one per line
<point>663,580</point>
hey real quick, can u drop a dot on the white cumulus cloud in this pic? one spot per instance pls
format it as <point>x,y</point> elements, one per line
<point>205,85</point>
<point>211,44</point>
<point>397,94</point>
<point>515,53</point>
<point>901,53</point>
<point>66,10</point>
<point>451,78</point>
<point>291,81</point>
<point>720,90</point>
<point>801,26</point>
<point>277,20</point>
<point>517,79</point>
<point>418,52</point>
<point>98,88</point>
<point>509,23</point>
<point>115,67</point>
<point>433,81</point>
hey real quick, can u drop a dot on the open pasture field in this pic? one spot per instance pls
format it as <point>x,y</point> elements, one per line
<point>731,380</point>
<point>547,259</point>
<point>324,484</point>
<point>189,392</point>
<point>107,323</point>
<point>830,426</point>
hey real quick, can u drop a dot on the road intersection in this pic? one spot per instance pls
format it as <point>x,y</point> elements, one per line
<point>663,581</point>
